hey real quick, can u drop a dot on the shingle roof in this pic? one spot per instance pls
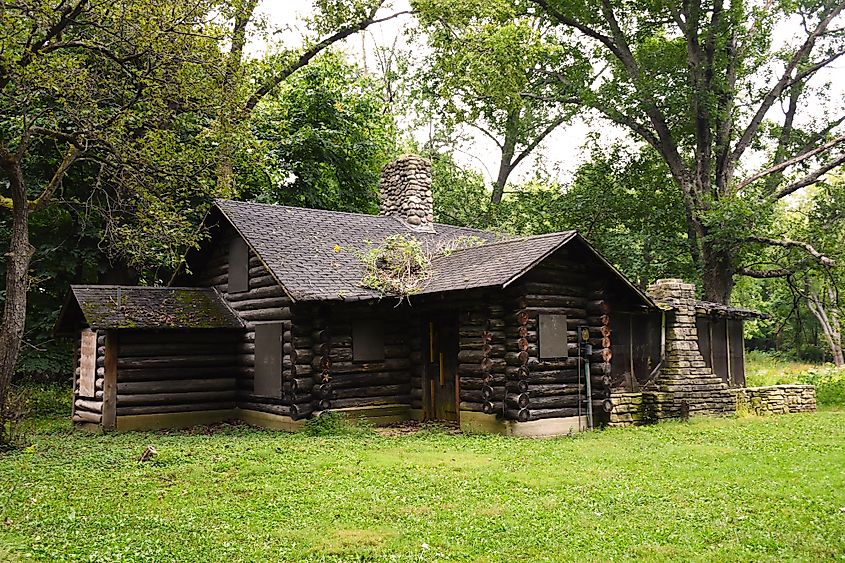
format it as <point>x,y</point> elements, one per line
<point>719,310</point>
<point>492,264</point>
<point>128,307</point>
<point>314,253</point>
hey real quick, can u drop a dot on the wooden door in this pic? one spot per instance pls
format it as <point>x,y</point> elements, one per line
<point>442,368</point>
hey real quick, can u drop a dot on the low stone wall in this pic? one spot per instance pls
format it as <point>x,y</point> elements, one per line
<point>633,409</point>
<point>777,399</point>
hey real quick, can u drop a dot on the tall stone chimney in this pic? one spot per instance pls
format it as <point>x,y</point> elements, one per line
<point>685,377</point>
<point>406,192</point>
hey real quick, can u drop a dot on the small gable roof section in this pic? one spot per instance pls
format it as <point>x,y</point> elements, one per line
<point>315,254</point>
<point>499,264</point>
<point>144,308</point>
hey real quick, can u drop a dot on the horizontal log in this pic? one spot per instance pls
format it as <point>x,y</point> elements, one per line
<point>556,402</point>
<point>540,414</point>
<point>264,303</point>
<point>521,415</point>
<point>473,382</point>
<point>270,314</point>
<point>186,337</point>
<point>256,293</point>
<point>176,385</point>
<point>175,398</point>
<point>370,401</point>
<point>533,300</point>
<point>546,288</point>
<point>92,406</point>
<point>165,373</point>
<point>192,407</point>
<point>176,348</point>
<point>494,407</point>
<point>85,416</point>
<point>517,400</point>
<point>221,361</point>
<point>494,365</point>
<point>368,367</point>
<point>284,410</point>
<point>372,391</point>
<point>344,380</point>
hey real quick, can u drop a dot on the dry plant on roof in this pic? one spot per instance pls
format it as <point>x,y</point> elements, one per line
<point>398,266</point>
<point>401,265</point>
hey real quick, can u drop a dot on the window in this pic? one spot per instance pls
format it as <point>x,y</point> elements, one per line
<point>553,336</point>
<point>238,266</point>
<point>367,341</point>
<point>268,360</point>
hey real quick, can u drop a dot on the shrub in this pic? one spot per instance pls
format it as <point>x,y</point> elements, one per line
<point>336,424</point>
<point>829,382</point>
<point>14,410</point>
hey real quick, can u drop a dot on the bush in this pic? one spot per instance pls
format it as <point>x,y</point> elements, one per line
<point>14,427</point>
<point>829,382</point>
<point>336,424</point>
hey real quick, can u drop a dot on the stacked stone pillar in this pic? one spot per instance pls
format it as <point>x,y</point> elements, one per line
<point>406,192</point>
<point>685,385</point>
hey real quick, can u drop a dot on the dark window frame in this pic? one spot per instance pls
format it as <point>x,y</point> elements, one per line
<point>368,340</point>
<point>238,266</point>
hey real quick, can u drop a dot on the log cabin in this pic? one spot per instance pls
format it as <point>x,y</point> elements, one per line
<point>271,324</point>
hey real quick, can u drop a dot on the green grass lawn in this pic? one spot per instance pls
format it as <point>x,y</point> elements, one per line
<point>730,489</point>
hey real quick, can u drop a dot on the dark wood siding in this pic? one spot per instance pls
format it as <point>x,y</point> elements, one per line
<point>702,327</point>
<point>737,353</point>
<point>176,371</point>
<point>367,340</point>
<point>264,301</point>
<point>268,359</point>
<point>536,387</point>
<point>719,347</point>
<point>238,270</point>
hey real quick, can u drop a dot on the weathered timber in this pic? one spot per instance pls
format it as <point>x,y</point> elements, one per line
<point>174,385</point>
<point>178,398</point>
<point>220,361</point>
<point>190,407</point>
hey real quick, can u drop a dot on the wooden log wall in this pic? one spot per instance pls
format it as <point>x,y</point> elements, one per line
<point>89,408</point>
<point>176,371</point>
<point>265,301</point>
<point>538,388</point>
<point>338,380</point>
<point>481,357</point>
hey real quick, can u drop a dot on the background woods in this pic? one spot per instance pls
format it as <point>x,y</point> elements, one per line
<point>715,151</point>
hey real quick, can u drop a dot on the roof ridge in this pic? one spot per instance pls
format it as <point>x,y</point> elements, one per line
<point>518,239</point>
<point>112,286</point>
<point>352,213</point>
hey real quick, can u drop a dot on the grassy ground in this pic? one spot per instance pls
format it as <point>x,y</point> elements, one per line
<point>731,489</point>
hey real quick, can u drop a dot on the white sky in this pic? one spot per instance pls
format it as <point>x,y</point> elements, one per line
<point>563,150</point>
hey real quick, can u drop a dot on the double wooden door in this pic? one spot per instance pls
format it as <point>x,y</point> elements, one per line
<point>442,368</point>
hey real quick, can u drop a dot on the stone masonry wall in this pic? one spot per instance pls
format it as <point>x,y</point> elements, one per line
<point>687,385</point>
<point>405,192</point>
<point>777,399</point>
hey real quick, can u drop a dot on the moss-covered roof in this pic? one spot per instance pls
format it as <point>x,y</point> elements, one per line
<point>146,308</point>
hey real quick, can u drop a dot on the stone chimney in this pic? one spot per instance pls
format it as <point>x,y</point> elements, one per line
<point>406,192</point>
<point>685,382</point>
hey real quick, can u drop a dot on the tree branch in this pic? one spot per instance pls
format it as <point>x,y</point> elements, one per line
<point>44,198</point>
<point>538,139</point>
<point>792,161</point>
<point>789,243</point>
<point>305,57</point>
<point>774,93</point>
<point>811,178</point>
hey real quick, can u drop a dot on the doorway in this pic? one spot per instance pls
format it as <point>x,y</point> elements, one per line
<point>441,381</point>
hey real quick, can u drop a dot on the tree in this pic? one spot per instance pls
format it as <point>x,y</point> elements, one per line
<point>322,139</point>
<point>82,84</point>
<point>482,72</point>
<point>705,84</point>
<point>244,86</point>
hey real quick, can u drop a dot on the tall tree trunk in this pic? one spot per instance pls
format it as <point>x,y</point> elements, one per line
<point>717,274</point>
<point>830,323</point>
<point>17,267</point>
<point>506,165</point>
